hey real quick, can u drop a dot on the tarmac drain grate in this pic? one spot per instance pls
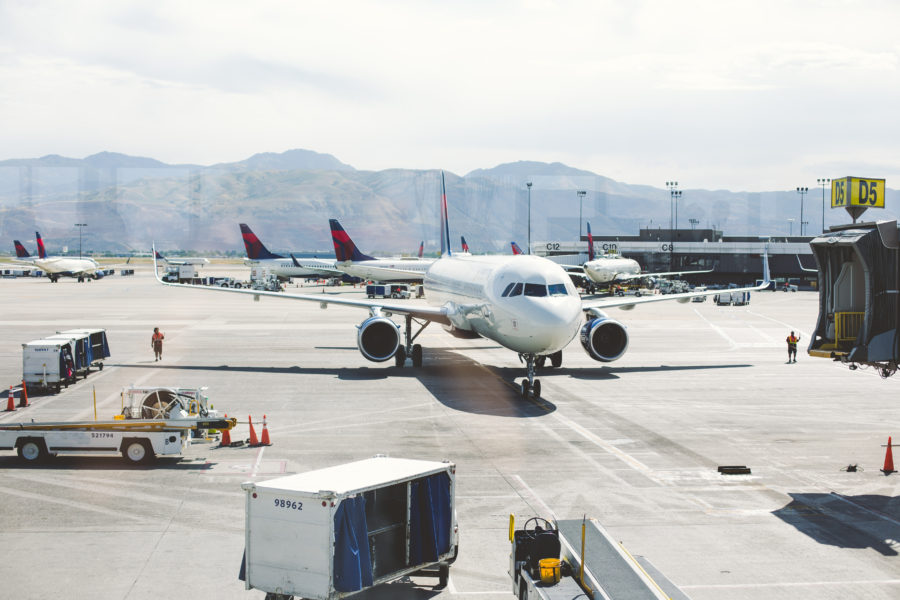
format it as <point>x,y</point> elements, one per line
<point>734,470</point>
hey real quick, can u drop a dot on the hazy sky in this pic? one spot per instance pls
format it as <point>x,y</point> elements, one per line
<point>737,95</point>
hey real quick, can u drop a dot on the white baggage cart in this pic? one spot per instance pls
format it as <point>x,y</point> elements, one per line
<point>334,532</point>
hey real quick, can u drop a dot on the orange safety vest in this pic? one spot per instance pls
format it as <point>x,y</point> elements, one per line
<point>158,337</point>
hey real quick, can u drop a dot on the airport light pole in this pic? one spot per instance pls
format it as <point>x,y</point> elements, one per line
<point>802,191</point>
<point>80,227</point>
<point>791,223</point>
<point>581,194</point>
<point>528,184</point>
<point>674,194</point>
<point>694,223</point>
<point>823,182</point>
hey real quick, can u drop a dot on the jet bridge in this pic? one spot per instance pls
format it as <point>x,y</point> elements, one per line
<point>859,285</point>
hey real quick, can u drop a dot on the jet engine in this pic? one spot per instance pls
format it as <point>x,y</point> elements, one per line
<point>378,338</point>
<point>604,339</point>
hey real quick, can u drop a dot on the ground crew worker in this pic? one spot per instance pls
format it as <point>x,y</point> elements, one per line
<point>156,342</point>
<point>792,347</point>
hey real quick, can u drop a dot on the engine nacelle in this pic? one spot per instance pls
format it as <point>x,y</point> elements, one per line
<point>604,339</point>
<point>378,339</point>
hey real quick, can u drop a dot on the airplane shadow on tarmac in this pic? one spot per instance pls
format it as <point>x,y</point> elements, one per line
<point>104,463</point>
<point>865,521</point>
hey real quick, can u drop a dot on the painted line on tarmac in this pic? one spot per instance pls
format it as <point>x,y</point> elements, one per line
<point>718,330</point>
<point>789,584</point>
<point>68,502</point>
<point>534,497</point>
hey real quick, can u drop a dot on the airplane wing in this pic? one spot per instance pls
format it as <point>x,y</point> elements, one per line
<point>323,270</point>
<point>426,313</point>
<point>804,269</point>
<point>629,302</point>
<point>624,277</point>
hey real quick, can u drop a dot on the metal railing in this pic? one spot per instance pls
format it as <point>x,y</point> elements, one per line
<point>847,326</point>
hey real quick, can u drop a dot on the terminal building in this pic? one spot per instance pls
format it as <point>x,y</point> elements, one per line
<point>733,259</point>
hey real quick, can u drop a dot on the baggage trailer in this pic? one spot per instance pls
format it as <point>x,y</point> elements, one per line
<point>48,364</point>
<point>138,440</point>
<point>568,559</point>
<point>98,345</point>
<point>333,532</point>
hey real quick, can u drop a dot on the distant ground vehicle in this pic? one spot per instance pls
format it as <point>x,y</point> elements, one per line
<point>181,274</point>
<point>699,288</point>
<point>723,299</point>
<point>789,287</point>
<point>394,290</point>
<point>226,282</point>
<point>740,298</point>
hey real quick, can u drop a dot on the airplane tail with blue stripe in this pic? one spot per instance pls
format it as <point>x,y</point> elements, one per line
<point>255,248</point>
<point>42,253</point>
<point>344,248</point>
<point>445,221</point>
<point>590,243</point>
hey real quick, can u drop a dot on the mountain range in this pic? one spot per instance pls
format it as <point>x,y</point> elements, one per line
<point>129,202</point>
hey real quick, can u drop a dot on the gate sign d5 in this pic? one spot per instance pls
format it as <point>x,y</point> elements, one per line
<point>856,194</point>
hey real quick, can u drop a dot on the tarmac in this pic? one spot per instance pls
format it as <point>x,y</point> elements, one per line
<point>635,444</point>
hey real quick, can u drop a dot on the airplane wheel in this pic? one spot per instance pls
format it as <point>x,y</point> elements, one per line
<point>417,355</point>
<point>536,389</point>
<point>556,359</point>
<point>400,357</point>
<point>540,361</point>
<point>526,389</point>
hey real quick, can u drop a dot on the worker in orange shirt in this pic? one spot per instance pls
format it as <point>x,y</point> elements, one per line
<point>156,342</point>
<point>792,347</point>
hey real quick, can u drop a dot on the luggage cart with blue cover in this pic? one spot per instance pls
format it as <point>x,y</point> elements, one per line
<point>98,344</point>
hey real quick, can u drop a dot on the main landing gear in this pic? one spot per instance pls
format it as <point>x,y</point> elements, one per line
<point>531,387</point>
<point>410,350</point>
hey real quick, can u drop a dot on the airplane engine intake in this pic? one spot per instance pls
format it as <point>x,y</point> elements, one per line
<point>378,339</point>
<point>604,339</point>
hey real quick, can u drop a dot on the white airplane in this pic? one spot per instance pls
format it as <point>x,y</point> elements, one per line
<point>282,266</point>
<point>614,268</point>
<point>525,303</point>
<point>178,262</point>
<point>59,266</point>
<point>356,264</point>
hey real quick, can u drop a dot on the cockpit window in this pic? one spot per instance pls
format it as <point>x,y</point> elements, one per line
<point>535,289</point>
<point>507,290</point>
<point>558,289</point>
<point>516,291</point>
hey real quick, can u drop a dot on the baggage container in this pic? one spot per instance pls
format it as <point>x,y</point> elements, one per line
<point>48,364</point>
<point>99,345</point>
<point>333,532</point>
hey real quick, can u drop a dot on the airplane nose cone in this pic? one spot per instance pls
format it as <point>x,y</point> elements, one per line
<point>554,323</point>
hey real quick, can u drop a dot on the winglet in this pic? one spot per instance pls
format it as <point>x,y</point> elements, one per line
<point>590,242</point>
<point>155,268</point>
<point>445,221</point>
<point>344,248</point>
<point>255,248</point>
<point>515,248</point>
<point>767,275</point>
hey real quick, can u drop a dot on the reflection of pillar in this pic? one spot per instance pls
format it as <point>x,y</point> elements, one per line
<point>195,197</point>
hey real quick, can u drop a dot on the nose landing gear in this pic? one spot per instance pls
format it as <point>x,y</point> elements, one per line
<point>530,387</point>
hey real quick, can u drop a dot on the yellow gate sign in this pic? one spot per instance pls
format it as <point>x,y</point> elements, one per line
<point>856,191</point>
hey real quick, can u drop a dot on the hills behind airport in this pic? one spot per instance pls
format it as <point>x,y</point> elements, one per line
<point>287,198</point>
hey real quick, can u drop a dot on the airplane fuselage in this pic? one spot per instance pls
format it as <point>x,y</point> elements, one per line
<point>69,267</point>
<point>525,303</point>
<point>284,267</point>
<point>608,269</point>
<point>387,269</point>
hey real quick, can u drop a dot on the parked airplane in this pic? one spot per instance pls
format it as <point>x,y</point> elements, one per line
<point>356,264</point>
<point>177,262</point>
<point>515,248</point>
<point>614,268</point>
<point>59,266</point>
<point>421,248</point>
<point>525,303</point>
<point>281,266</point>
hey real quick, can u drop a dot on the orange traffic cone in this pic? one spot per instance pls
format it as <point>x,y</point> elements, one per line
<point>226,436</point>
<point>23,397</point>
<point>253,440</point>
<point>10,404</point>
<point>888,459</point>
<point>265,434</point>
